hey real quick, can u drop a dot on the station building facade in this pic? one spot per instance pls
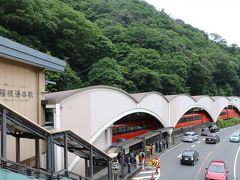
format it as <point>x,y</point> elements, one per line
<point>22,85</point>
<point>91,112</point>
<point>24,143</point>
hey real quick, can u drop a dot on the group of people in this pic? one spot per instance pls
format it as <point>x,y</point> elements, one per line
<point>138,157</point>
<point>161,145</point>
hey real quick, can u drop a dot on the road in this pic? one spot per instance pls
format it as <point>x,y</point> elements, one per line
<point>224,150</point>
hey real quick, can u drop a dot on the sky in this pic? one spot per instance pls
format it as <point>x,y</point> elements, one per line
<point>221,17</point>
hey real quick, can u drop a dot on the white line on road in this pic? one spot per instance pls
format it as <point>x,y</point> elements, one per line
<point>179,155</point>
<point>193,145</point>
<point>156,176</point>
<point>235,163</point>
<point>146,172</point>
<point>203,139</point>
<point>170,149</point>
<point>198,142</point>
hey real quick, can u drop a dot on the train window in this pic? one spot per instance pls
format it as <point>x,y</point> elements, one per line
<point>223,113</point>
<point>115,131</point>
<point>197,118</point>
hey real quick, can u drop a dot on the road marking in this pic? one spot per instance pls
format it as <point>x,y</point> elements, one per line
<point>203,139</point>
<point>179,155</point>
<point>205,159</point>
<point>235,164</point>
<point>170,149</point>
<point>145,172</point>
<point>156,176</point>
<point>198,142</point>
<point>193,145</point>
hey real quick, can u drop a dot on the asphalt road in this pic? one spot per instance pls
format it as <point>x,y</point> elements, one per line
<point>223,150</point>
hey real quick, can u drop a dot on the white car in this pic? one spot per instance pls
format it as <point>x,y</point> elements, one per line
<point>190,137</point>
<point>235,137</point>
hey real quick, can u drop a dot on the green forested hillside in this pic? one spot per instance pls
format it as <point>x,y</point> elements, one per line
<point>123,43</point>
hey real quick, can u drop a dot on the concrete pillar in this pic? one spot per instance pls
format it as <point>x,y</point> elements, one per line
<point>4,136</point>
<point>17,149</point>
<point>91,163</point>
<point>65,152</point>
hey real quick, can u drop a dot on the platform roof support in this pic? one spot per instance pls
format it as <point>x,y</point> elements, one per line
<point>65,152</point>
<point>122,162</point>
<point>109,169</point>
<point>49,155</point>
<point>4,135</point>
<point>91,163</point>
<point>37,154</point>
<point>17,149</point>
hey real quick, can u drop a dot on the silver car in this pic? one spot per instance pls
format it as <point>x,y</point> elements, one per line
<point>190,137</point>
<point>235,137</point>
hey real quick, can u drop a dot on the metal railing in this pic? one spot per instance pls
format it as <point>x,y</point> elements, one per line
<point>70,175</point>
<point>24,170</point>
<point>197,127</point>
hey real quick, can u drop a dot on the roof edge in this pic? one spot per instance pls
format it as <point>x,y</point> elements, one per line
<point>18,52</point>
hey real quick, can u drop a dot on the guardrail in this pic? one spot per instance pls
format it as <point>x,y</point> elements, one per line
<point>24,170</point>
<point>70,175</point>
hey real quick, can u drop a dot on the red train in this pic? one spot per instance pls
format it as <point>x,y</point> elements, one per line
<point>127,129</point>
<point>228,113</point>
<point>202,117</point>
<point>130,129</point>
<point>193,119</point>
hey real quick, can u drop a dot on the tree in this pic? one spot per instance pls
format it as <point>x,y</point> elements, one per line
<point>64,81</point>
<point>108,72</point>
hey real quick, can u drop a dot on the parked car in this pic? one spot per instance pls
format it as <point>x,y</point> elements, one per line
<point>235,137</point>
<point>217,169</point>
<point>212,138</point>
<point>190,137</point>
<point>205,131</point>
<point>189,157</point>
<point>214,128</point>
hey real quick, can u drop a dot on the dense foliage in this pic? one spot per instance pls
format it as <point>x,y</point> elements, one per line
<point>123,43</point>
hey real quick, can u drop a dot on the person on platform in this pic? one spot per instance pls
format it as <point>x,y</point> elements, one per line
<point>129,165</point>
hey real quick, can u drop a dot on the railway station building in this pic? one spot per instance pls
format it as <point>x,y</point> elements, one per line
<point>27,148</point>
<point>93,112</point>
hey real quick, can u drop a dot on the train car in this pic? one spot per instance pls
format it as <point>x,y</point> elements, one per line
<point>193,119</point>
<point>228,114</point>
<point>131,129</point>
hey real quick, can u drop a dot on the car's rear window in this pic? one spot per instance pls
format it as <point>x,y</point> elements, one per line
<point>187,134</point>
<point>188,153</point>
<point>216,169</point>
<point>235,135</point>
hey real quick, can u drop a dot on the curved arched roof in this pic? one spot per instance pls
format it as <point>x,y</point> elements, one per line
<point>99,105</point>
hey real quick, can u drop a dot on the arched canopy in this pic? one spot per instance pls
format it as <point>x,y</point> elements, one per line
<point>89,111</point>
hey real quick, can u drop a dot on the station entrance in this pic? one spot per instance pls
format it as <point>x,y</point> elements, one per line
<point>134,125</point>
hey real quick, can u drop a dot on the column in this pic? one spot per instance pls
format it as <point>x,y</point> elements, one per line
<point>91,163</point>
<point>4,136</point>
<point>37,154</point>
<point>65,152</point>
<point>122,162</point>
<point>17,149</point>
<point>109,170</point>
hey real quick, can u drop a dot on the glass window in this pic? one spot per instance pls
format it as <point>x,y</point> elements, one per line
<point>217,169</point>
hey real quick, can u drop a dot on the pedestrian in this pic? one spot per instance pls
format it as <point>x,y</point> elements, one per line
<point>160,146</point>
<point>129,165</point>
<point>167,143</point>
<point>137,161</point>
<point>156,145</point>
<point>164,143</point>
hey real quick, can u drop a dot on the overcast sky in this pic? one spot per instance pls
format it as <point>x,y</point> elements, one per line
<point>212,16</point>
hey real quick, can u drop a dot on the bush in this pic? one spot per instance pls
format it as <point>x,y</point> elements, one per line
<point>228,122</point>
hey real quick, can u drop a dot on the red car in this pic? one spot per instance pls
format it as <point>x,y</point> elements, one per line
<point>217,170</point>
